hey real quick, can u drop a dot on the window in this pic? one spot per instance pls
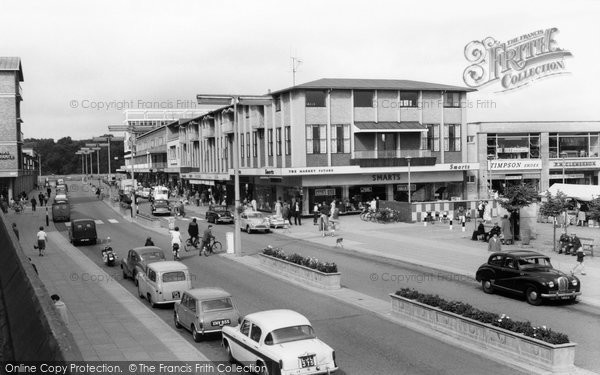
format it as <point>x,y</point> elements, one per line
<point>278,140</point>
<point>277,104</point>
<point>452,137</point>
<point>363,98</point>
<point>471,179</point>
<point>270,142</point>
<point>242,146</point>
<point>316,139</point>
<point>288,140</point>
<point>517,146</point>
<point>315,98</point>
<point>170,277</point>
<point>409,98</point>
<point>247,145</point>
<point>433,137</point>
<point>255,144</point>
<point>471,138</point>
<point>255,333</point>
<point>245,328</point>
<point>340,139</point>
<point>247,111</point>
<point>452,99</point>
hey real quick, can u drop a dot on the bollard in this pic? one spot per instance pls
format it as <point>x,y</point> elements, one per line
<point>463,226</point>
<point>230,246</point>
<point>450,225</point>
<point>47,219</point>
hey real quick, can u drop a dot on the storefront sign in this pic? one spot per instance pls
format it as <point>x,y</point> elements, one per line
<point>515,150</point>
<point>6,156</point>
<point>324,192</point>
<point>404,187</point>
<point>566,176</point>
<point>387,177</point>
<point>202,182</point>
<point>513,177</point>
<point>510,164</point>
<point>367,189</point>
<point>575,163</point>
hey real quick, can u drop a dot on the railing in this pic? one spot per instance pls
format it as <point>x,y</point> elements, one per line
<point>390,154</point>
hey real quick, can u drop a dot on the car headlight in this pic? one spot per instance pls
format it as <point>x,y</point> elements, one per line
<point>574,282</point>
<point>550,284</point>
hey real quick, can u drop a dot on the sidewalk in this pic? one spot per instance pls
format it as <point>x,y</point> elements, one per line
<point>107,322</point>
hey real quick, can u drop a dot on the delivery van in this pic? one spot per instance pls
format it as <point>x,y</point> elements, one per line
<point>61,211</point>
<point>83,230</point>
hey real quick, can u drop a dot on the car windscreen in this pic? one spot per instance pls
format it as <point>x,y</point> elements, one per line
<point>288,334</point>
<point>161,204</point>
<point>169,277</point>
<point>152,256</point>
<point>255,215</point>
<point>534,262</point>
<point>217,304</point>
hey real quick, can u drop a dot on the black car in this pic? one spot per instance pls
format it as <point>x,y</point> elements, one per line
<point>218,214</point>
<point>160,207</point>
<point>83,230</point>
<point>527,273</point>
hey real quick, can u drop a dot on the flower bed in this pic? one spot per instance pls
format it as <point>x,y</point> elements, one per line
<point>502,321</point>
<point>309,262</point>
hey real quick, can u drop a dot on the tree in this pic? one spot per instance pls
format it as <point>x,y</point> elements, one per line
<point>517,197</point>
<point>594,209</point>
<point>555,206</point>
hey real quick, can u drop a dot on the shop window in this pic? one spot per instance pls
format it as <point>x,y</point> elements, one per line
<point>316,139</point>
<point>409,98</point>
<point>452,99</point>
<point>270,142</point>
<point>340,139</point>
<point>451,137</point>
<point>278,140</point>
<point>363,98</point>
<point>315,98</point>
<point>433,137</point>
<point>288,140</point>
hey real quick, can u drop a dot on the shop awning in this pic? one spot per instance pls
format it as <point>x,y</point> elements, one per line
<point>403,126</point>
<point>579,192</point>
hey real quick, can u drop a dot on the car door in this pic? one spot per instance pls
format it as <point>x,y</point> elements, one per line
<point>510,272</point>
<point>184,311</point>
<point>254,342</point>
<point>241,351</point>
<point>129,263</point>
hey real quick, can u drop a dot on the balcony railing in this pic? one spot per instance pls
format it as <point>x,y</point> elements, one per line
<point>390,154</point>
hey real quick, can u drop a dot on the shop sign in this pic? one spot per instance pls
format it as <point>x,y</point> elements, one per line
<point>574,164</point>
<point>324,192</point>
<point>515,150</point>
<point>513,177</point>
<point>366,189</point>
<point>566,176</point>
<point>404,187</point>
<point>387,176</point>
<point>511,164</point>
<point>6,156</point>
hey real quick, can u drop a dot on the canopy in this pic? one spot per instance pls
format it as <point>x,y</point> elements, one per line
<point>580,192</point>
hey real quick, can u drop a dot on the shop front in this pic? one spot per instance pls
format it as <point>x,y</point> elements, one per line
<point>506,172</point>
<point>574,171</point>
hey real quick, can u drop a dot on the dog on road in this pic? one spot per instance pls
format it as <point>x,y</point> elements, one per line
<point>339,242</point>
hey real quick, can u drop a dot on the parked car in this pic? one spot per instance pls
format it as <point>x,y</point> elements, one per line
<point>159,193</point>
<point>283,341</point>
<point>138,258</point>
<point>218,214</point>
<point>205,310</point>
<point>527,273</point>
<point>83,230</point>
<point>277,221</point>
<point>164,282</point>
<point>160,207</point>
<point>143,193</point>
<point>251,221</point>
<point>61,211</point>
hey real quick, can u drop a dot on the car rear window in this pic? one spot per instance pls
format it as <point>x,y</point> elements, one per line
<point>152,256</point>
<point>169,277</point>
<point>161,204</point>
<point>217,304</point>
<point>288,334</point>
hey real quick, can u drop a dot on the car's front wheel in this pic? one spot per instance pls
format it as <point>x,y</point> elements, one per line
<point>533,296</point>
<point>176,320</point>
<point>487,287</point>
<point>248,229</point>
<point>151,301</point>
<point>124,273</point>
<point>262,368</point>
<point>229,353</point>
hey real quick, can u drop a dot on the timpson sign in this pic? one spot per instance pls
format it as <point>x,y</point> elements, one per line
<point>512,164</point>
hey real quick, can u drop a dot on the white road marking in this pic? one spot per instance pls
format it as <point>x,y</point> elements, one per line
<point>113,221</point>
<point>98,222</point>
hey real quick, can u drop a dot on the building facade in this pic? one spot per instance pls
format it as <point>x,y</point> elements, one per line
<point>18,171</point>
<point>536,152</point>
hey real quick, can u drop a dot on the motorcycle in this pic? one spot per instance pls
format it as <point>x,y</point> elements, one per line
<point>109,257</point>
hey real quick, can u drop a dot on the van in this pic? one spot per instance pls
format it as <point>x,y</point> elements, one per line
<point>61,211</point>
<point>160,193</point>
<point>83,230</point>
<point>164,282</point>
<point>61,189</point>
<point>60,181</point>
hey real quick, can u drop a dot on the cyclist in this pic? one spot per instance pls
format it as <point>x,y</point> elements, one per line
<point>206,238</point>
<point>176,242</point>
<point>193,232</point>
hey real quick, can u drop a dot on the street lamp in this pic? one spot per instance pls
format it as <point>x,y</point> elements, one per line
<point>409,189</point>
<point>563,156</point>
<point>228,100</point>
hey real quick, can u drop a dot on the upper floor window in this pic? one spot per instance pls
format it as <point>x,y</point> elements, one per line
<point>278,140</point>
<point>288,140</point>
<point>409,98</point>
<point>277,104</point>
<point>364,98</point>
<point>340,139</point>
<point>433,137</point>
<point>315,98</point>
<point>247,145</point>
<point>570,145</point>
<point>452,99</point>
<point>242,145</point>
<point>247,111</point>
<point>514,146</point>
<point>270,142</point>
<point>255,143</point>
<point>316,139</point>
<point>452,137</point>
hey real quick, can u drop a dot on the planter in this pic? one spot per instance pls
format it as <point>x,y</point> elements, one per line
<point>504,345</point>
<point>301,273</point>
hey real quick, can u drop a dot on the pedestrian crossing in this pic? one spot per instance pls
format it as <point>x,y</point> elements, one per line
<point>98,222</point>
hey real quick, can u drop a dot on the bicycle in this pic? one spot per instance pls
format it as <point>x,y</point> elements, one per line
<point>367,215</point>
<point>191,242</point>
<point>214,247</point>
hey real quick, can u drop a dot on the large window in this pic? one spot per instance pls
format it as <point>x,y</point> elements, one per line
<point>315,98</point>
<point>452,137</point>
<point>277,104</point>
<point>316,139</point>
<point>340,139</point>
<point>270,142</point>
<point>409,98</point>
<point>288,140</point>
<point>433,137</point>
<point>278,140</point>
<point>255,144</point>
<point>363,98</point>
<point>247,145</point>
<point>513,146</point>
<point>242,144</point>
<point>572,145</point>
<point>452,99</point>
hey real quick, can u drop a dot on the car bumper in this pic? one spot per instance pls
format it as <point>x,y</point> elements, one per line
<point>557,295</point>
<point>224,220</point>
<point>311,370</point>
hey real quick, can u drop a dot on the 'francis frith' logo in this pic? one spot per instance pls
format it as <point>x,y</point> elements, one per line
<point>515,63</point>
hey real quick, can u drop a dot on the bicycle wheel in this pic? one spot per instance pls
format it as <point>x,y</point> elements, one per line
<point>186,245</point>
<point>216,247</point>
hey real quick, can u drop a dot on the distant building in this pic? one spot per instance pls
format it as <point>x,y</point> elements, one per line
<point>18,171</point>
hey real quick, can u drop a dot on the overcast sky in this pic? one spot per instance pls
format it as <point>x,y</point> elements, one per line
<point>78,54</point>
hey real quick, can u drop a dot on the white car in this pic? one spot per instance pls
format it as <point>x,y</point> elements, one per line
<point>164,282</point>
<point>252,221</point>
<point>279,342</point>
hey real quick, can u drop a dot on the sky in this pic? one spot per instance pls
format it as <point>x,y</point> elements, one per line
<point>84,62</point>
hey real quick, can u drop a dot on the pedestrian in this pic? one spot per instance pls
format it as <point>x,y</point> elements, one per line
<point>286,214</point>
<point>61,307</point>
<point>46,199</point>
<point>297,209</point>
<point>41,199</point>
<point>197,198</point>
<point>324,217</point>
<point>316,209</point>
<point>149,242</point>
<point>49,191</point>
<point>41,239</point>
<point>373,205</point>
<point>506,228</point>
<point>33,203</point>
<point>4,205</point>
<point>494,243</point>
<point>377,204</point>
<point>16,230</point>
<point>579,267</point>
<point>278,207</point>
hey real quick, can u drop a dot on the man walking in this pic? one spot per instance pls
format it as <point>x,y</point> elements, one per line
<point>33,203</point>
<point>580,266</point>
<point>41,199</point>
<point>297,209</point>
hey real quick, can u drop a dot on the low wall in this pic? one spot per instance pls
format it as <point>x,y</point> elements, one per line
<point>300,273</point>
<point>35,328</point>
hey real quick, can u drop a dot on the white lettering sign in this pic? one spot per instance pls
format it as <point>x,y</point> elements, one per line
<point>511,164</point>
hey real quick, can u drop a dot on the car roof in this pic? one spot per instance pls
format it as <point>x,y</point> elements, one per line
<point>523,253</point>
<point>81,221</point>
<point>147,249</point>
<point>274,319</point>
<point>207,293</point>
<point>169,265</point>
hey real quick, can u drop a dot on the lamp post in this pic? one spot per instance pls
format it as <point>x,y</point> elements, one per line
<point>563,156</point>
<point>228,100</point>
<point>409,187</point>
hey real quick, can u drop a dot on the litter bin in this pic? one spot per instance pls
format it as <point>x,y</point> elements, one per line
<point>230,247</point>
<point>525,236</point>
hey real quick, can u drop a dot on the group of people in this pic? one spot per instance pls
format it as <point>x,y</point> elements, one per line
<point>193,232</point>
<point>500,234</point>
<point>326,215</point>
<point>289,209</point>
